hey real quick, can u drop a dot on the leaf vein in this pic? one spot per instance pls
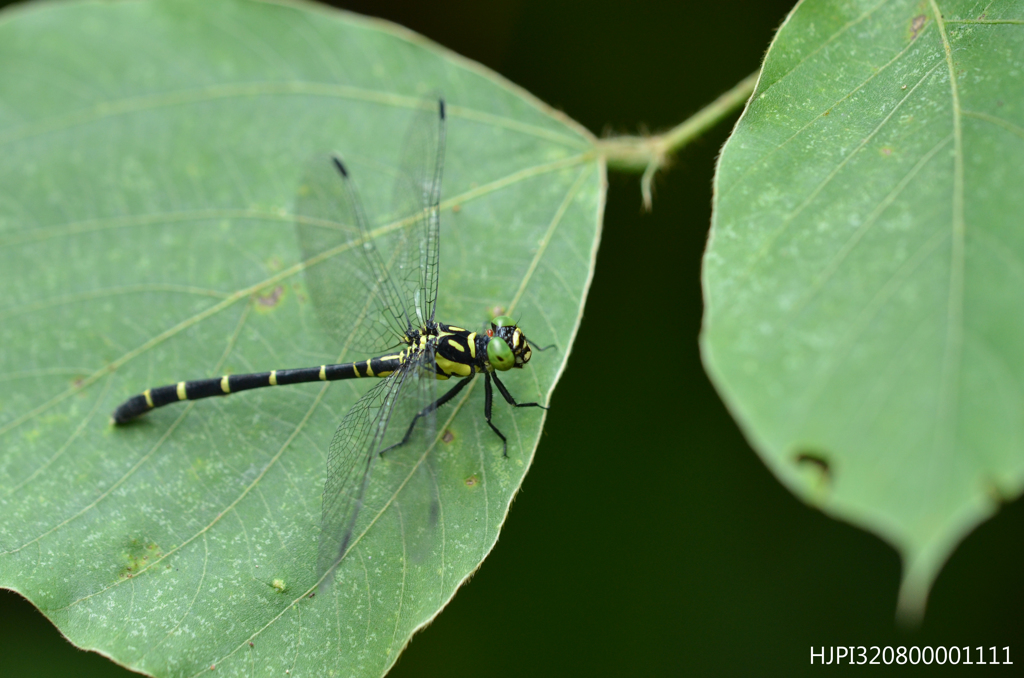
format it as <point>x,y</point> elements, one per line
<point>755,166</point>
<point>791,217</point>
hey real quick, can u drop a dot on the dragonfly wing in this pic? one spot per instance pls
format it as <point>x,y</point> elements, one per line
<point>416,204</point>
<point>357,303</point>
<point>369,471</point>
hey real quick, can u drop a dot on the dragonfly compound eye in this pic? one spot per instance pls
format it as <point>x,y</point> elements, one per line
<point>503,321</point>
<point>500,355</point>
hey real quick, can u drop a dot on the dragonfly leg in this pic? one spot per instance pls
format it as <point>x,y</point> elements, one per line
<point>489,396</point>
<point>452,392</point>
<point>508,396</point>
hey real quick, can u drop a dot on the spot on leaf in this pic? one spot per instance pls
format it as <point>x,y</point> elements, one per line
<point>916,24</point>
<point>268,300</point>
<point>137,555</point>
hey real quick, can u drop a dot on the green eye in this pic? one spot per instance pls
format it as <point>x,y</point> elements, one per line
<point>503,321</point>
<point>500,355</point>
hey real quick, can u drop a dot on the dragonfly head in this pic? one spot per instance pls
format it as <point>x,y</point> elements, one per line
<point>508,347</point>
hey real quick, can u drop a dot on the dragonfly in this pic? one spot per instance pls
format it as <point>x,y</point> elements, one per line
<point>395,267</point>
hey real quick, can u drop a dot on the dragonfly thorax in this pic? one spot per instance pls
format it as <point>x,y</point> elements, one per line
<point>459,352</point>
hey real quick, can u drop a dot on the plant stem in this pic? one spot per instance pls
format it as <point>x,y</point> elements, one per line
<point>651,153</point>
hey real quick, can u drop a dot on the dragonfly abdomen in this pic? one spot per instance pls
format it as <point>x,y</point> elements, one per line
<point>233,383</point>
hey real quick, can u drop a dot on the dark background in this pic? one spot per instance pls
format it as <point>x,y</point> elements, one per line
<point>648,539</point>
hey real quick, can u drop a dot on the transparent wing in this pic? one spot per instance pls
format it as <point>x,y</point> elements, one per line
<point>415,202</point>
<point>362,482</point>
<point>370,287</point>
<point>356,301</point>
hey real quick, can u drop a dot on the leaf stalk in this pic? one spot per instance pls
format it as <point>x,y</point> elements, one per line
<point>650,153</point>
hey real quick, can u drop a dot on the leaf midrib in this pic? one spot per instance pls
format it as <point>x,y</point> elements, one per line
<point>945,431</point>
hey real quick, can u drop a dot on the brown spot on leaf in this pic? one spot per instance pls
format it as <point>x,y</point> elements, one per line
<point>916,24</point>
<point>472,481</point>
<point>270,299</point>
<point>448,436</point>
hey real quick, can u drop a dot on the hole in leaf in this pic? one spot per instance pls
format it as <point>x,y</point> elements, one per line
<point>815,460</point>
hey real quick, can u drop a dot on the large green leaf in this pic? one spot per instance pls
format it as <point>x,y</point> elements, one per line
<point>865,315</point>
<point>151,153</point>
